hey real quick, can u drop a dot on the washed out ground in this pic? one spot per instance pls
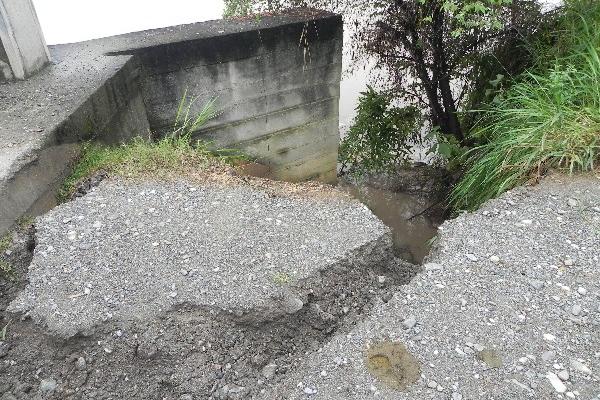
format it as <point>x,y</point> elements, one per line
<point>188,324</point>
<point>507,306</point>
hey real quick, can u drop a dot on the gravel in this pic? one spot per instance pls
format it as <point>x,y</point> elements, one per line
<point>118,253</point>
<point>516,327</point>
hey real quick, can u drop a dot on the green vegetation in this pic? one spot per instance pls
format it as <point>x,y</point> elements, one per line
<point>3,333</point>
<point>281,278</point>
<point>379,138</point>
<point>549,118</point>
<point>6,269</point>
<point>175,154</point>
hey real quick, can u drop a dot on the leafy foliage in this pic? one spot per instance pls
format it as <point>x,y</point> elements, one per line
<point>426,49</point>
<point>549,119</point>
<point>379,137</point>
<point>237,8</point>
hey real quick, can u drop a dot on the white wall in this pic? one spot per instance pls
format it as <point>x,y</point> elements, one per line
<point>67,21</point>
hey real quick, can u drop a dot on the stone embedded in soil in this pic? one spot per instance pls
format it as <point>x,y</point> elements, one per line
<point>120,254</point>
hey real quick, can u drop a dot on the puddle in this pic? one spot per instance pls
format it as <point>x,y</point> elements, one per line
<point>402,213</point>
<point>393,365</point>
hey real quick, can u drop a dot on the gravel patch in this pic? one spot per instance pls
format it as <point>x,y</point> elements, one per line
<point>131,251</point>
<point>508,307</point>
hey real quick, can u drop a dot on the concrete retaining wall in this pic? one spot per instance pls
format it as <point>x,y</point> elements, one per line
<point>276,81</point>
<point>113,113</point>
<point>277,92</point>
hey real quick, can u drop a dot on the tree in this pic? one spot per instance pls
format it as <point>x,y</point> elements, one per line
<point>427,49</point>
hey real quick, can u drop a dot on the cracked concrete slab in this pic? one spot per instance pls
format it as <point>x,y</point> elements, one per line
<point>131,251</point>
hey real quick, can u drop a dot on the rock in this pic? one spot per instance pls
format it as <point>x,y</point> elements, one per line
<point>409,322</point>
<point>47,386</point>
<point>235,389</point>
<point>572,202</point>
<point>147,351</point>
<point>580,367</point>
<point>568,262</point>
<point>430,267</point>
<point>563,375</point>
<point>548,355</point>
<point>582,291</point>
<point>456,396</point>
<point>292,304</point>
<point>472,257</point>
<point>80,364</point>
<point>432,384</point>
<point>269,370</point>
<point>381,279</point>
<point>186,397</point>
<point>536,284</point>
<point>556,382</point>
<point>310,391</point>
<point>495,259</point>
<point>576,310</point>
<point>4,347</point>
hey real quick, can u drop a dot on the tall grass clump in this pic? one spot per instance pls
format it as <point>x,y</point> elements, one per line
<point>173,155</point>
<point>549,119</point>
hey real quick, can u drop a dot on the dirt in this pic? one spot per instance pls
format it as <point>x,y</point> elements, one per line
<point>186,353</point>
<point>393,365</point>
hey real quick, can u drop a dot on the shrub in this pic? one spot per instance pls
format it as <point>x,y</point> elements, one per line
<point>549,118</point>
<point>380,135</point>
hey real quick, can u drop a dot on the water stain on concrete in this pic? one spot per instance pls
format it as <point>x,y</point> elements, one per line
<point>393,365</point>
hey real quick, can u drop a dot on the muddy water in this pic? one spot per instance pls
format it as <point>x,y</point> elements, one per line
<point>401,212</point>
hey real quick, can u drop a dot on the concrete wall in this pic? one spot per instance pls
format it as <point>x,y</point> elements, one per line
<point>113,113</point>
<point>23,49</point>
<point>277,91</point>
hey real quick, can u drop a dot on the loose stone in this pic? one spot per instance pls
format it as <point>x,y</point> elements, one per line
<point>48,386</point>
<point>581,367</point>
<point>269,370</point>
<point>80,363</point>
<point>556,382</point>
<point>576,310</point>
<point>310,391</point>
<point>563,375</point>
<point>410,322</point>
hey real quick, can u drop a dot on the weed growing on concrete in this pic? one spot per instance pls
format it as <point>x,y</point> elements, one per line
<point>25,222</point>
<point>174,155</point>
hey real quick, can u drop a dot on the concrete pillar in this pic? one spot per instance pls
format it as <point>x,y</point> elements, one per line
<point>23,50</point>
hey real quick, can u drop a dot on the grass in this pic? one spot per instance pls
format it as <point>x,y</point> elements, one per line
<point>175,154</point>
<point>5,268</point>
<point>550,119</point>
